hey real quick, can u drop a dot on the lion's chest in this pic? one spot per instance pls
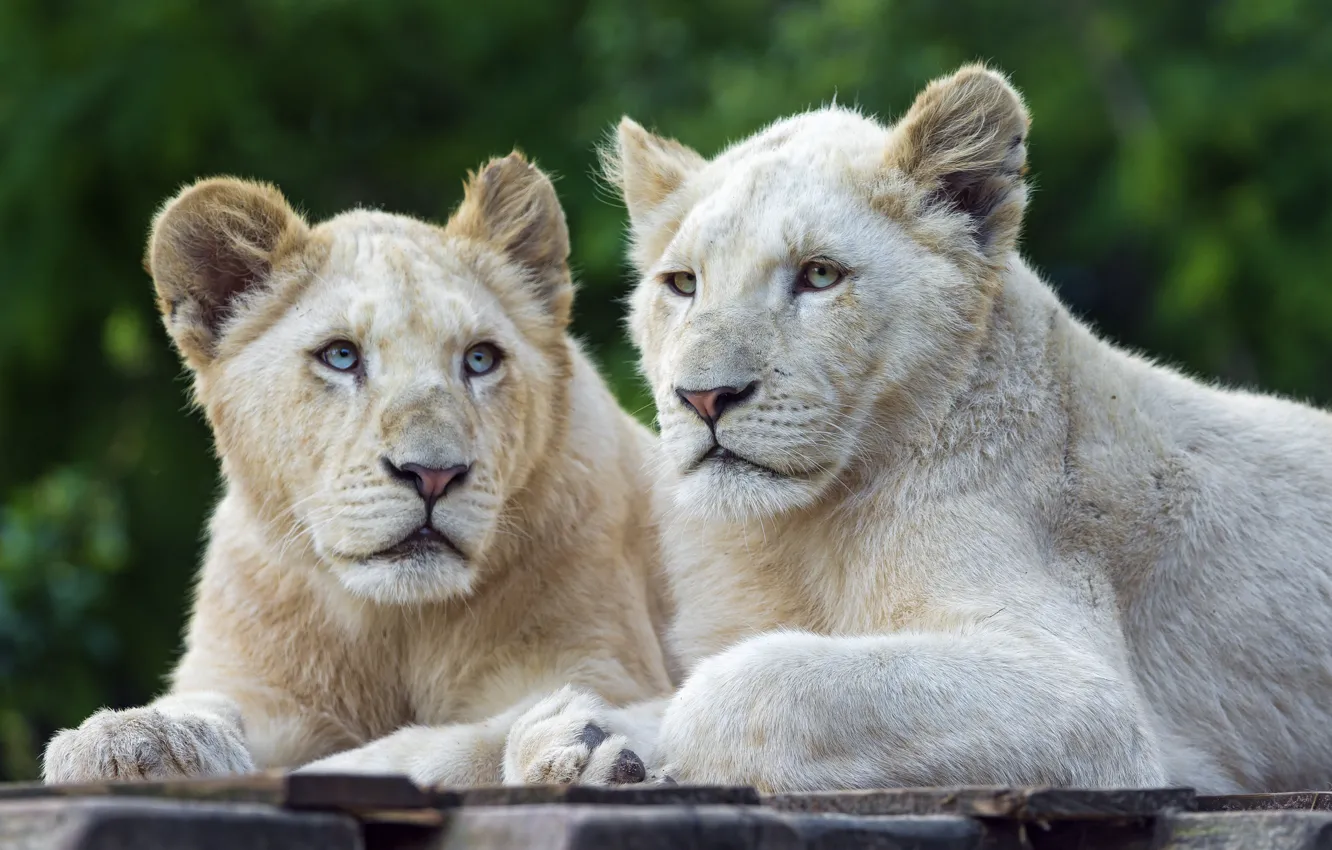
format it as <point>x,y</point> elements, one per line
<point>805,583</point>
<point>446,678</point>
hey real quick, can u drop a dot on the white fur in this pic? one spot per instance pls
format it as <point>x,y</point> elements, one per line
<point>183,734</point>
<point>307,639</point>
<point>996,548</point>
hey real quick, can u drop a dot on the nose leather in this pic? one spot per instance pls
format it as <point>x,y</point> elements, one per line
<point>711,404</point>
<point>432,483</point>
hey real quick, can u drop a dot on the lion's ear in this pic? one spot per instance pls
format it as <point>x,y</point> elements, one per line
<point>965,141</point>
<point>646,168</point>
<point>511,205</point>
<point>213,246</point>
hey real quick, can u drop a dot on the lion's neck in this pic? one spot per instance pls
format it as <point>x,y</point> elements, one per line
<point>1001,392</point>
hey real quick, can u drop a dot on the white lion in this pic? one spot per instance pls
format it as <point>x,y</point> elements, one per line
<point>435,511</point>
<point>925,528</point>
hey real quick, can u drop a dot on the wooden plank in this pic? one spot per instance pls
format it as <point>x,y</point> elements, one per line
<point>268,788</point>
<point>559,827</point>
<point>1026,804</point>
<point>626,795</point>
<point>353,793</point>
<point>381,799</point>
<point>97,823</point>
<point>1284,829</point>
<point>1311,801</point>
<point>321,792</point>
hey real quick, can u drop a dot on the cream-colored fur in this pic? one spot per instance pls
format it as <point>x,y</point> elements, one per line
<point>306,638</point>
<point>960,539</point>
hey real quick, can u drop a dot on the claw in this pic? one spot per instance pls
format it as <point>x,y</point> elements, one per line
<point>629,769</point>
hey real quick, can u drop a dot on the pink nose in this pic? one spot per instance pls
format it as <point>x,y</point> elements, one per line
<point>432,483</point>
<point>711,404</point>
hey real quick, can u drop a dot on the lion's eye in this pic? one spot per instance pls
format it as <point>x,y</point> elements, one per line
<point>818,275</point>
<point>341,355</point>
<point>682,283</point>
<point>481,358</point>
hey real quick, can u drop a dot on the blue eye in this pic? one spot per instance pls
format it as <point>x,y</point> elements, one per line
<point>341,355</point>
<point>481,358</point>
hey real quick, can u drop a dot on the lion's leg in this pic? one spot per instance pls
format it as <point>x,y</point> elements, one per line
<point>797,711</point>
<point>570,736</point>
<point>455,755</point>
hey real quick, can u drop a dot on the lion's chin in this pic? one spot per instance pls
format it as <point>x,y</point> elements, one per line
<point>428,574</point>
<point>736,490</point>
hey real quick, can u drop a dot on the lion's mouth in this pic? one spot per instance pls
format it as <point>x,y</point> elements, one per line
<point>424,541</point>
<point>726,458</point>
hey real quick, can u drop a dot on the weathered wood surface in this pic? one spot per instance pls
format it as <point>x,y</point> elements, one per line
<point>1310,801</point>
<point>373,793</point>
<point>633,795</point>
<point>1252,830</point>
<point>300,811</point>
<point>562,827</point>
<point>258,788</point>
<point>124,823</point>
<point>366,797</point>
<point>1026,804</point>
<point>565,827</point>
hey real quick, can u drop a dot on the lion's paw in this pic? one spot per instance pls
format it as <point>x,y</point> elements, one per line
<point>144,743</point>
<point>564,740</point>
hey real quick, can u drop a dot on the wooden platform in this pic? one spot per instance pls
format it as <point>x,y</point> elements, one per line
<point>275,811</point>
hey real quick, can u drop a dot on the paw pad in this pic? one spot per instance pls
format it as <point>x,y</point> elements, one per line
<point>592,736</point>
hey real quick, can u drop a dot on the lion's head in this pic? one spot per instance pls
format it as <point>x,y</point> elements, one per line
<point>805,293</point>
<point>379,388</point>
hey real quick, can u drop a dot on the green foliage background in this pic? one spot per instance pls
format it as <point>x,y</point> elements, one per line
<point>1179,151</point>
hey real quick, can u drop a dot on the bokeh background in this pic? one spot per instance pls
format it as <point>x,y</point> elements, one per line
<point>1180,153</point>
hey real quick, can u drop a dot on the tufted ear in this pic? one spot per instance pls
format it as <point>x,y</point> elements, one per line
<point>511,205</point>
<point>212,246</point>
<point>965,140</point>
<point>646,168</point>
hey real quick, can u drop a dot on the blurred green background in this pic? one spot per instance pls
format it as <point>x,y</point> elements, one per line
<point>1179,153</point>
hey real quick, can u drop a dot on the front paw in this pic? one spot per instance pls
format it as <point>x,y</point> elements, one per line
<point>705,738</point>
<point>752,715</point>
<point>564,740</point>
<point>144,743</point>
